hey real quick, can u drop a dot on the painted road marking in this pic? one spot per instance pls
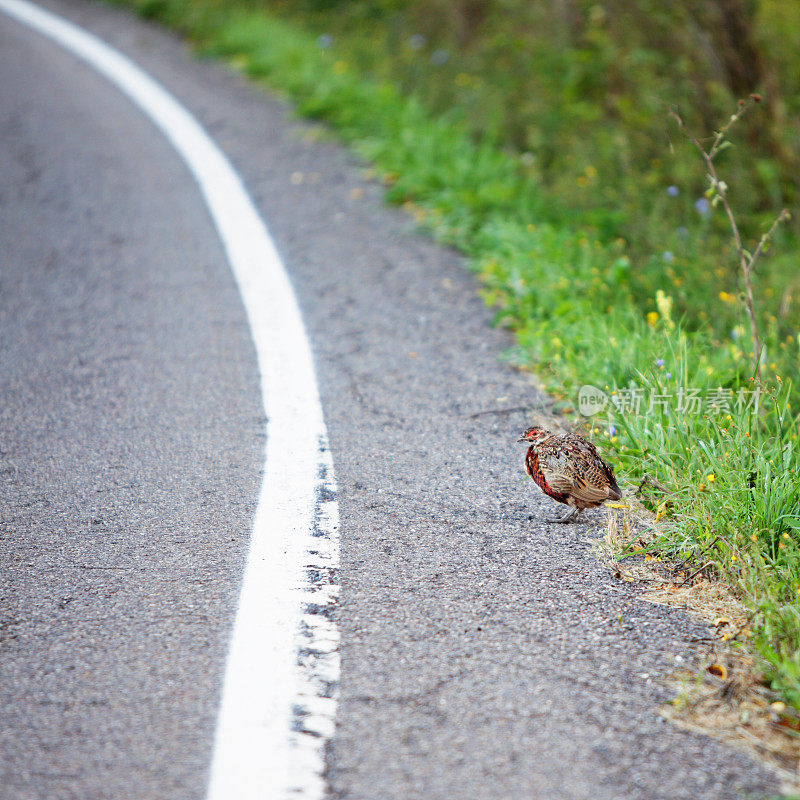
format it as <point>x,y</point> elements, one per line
<point>278,699</point>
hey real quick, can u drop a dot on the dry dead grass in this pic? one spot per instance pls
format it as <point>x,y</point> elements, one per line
<point>722,693</point>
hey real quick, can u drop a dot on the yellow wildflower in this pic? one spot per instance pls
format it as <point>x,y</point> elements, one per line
<point>664,306</point>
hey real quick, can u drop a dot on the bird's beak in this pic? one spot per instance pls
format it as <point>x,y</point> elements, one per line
<point>522,439</point>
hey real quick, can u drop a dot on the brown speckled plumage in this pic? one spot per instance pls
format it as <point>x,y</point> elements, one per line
<point>569,469</point>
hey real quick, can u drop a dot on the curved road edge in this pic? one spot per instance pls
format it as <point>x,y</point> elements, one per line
<point>271,733</point>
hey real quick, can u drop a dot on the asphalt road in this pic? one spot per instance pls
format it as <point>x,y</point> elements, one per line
<point>485,654</point>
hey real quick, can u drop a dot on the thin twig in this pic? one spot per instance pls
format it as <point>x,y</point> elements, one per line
<point>649,479</point>
<point>784,215</point>
<point>702,550</point>
<point>695,573</point>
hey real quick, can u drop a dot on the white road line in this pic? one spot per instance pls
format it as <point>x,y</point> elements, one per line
<point>278,700</point>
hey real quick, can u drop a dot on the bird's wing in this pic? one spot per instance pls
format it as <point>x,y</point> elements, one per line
<point>595,481</point>
<point>604,471</point>
<point>556,474</point>
<point>587,490</point>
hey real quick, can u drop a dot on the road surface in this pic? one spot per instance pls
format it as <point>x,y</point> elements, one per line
<point>484,653</point>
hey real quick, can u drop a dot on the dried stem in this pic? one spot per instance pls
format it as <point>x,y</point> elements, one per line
<point>746,260</point>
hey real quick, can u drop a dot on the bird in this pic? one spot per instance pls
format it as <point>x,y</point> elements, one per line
<point>569,469</point>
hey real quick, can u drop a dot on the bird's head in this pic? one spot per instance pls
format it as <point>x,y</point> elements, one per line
<point>534,435</point>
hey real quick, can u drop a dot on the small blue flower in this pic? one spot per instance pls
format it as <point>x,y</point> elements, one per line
<point>683,232</point>
<point>439,57</point>
<point>668,375</point>
<point>672,191</point>
<point>324,41</point>
<point>667,256</point>
<point>702,206</point>
<point>659,362</point>
<point>612,431</point>
<point>417,41</point>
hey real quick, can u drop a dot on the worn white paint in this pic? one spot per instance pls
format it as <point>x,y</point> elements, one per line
<point>278,700</point>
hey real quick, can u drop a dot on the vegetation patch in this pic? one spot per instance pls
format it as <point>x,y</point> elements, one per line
<point>719,689</point>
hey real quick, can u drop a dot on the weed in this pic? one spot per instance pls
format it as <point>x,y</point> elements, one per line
<point>718,193</point>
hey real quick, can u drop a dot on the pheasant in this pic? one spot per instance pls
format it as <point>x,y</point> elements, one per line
<point>569,469</point>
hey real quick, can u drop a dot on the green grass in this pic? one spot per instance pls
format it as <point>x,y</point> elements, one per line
<point>578,93</point>
<point>595,291</point>
<point>736,478</point>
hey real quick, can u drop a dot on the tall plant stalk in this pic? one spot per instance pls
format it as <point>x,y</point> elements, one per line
<point>718,190</point>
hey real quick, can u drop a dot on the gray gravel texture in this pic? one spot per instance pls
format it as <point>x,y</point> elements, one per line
<point>485,654</point>
<point>130,444</point>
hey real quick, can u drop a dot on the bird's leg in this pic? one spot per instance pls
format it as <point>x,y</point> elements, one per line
<point>570,516</point>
